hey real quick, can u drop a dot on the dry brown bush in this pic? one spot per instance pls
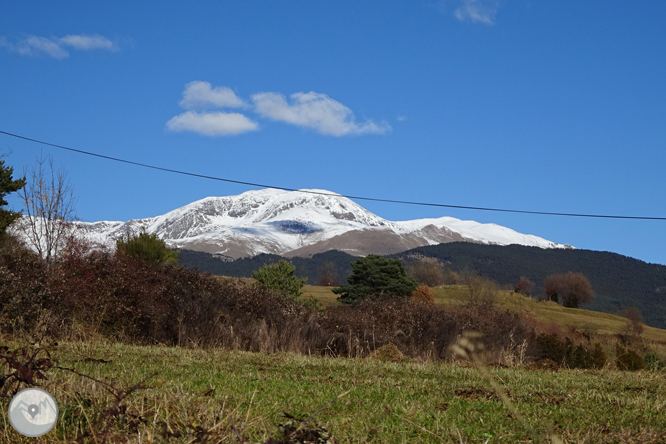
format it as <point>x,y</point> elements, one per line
<point>423,294</point>
<point>524,286</point>
<point>421,330</point>
<point>23,286</point>
<point>569,290</point>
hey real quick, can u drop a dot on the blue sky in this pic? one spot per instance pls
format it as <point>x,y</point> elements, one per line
<point>530,105</point>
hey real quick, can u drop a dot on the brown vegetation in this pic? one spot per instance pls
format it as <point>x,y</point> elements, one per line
<point>569,290</point>
<point>427,271</point>
<point>634,327</point>
<point>524,286</point>
<point>482,291</point>
<point>327,275</point>
<point>423,294</point>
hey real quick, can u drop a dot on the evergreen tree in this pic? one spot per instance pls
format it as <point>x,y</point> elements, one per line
<point>7,185</point>
<point>376,277</point>
<point>280,277</point>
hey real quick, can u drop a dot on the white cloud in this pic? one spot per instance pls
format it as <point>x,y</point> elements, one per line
<point>212,124</point>
<point>200,94</point>
<point>33,46</point>
<point>475,11</point>
<point>316,111</point>
<point>87,42</point>
<point>56,47</point>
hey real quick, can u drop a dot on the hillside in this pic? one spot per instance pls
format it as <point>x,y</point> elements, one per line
<point>602,324</point>
<point>619,282</point>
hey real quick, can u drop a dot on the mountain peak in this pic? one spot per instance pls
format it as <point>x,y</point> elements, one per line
<point>303,222</point>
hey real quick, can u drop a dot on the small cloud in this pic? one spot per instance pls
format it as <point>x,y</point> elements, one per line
<point>200,94</point>
<point>475,11</point>
<point>212,124</point>
<point>316,111</point>
<point>88,42</point>
<point>402,118</point>
<point>56,47</point>
<point>35,45</point>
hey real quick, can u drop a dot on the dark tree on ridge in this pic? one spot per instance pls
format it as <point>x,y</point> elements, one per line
<point>376,277</point>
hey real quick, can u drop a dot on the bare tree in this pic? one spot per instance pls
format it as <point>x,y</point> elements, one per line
<point>49,205</point>
<point>327,275</point>
<point>427,271</point>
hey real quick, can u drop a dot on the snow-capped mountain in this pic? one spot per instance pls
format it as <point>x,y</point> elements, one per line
<point>293,223</point>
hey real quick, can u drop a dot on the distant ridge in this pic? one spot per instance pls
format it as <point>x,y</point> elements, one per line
<point>294,223</point>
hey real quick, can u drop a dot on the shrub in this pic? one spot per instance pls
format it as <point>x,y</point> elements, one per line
<point>577,356</point>
<point>652,362</point>
<point>280,277</point>
<point>423,294</point>
<point>420,330</point>
<point>598,356</point>
<point>567,353</point>
<point>24,288</point>
<point>147,247</point>
<point>550,347</point>
<point>524,286</point>
<point>627,359</point>
<point>145,302</point>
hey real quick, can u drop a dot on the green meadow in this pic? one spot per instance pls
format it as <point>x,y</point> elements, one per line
<point>200,395</point>
<point>115,392</point>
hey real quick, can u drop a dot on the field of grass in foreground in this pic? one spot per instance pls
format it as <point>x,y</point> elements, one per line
<point>203,390</point>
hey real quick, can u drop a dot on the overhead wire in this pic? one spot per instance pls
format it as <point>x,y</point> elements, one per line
<point>373,199</point>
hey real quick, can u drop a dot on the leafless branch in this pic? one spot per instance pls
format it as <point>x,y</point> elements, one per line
<point>50,208</point>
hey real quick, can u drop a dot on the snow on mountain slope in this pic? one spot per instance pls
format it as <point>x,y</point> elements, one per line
<point>284,222</point>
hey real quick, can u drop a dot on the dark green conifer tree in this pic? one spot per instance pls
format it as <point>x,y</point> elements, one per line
<point>376,277</point>
<point>8,185</point>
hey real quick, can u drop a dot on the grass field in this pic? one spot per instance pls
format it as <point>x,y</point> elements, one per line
<point>230,396</point>
<point>220,395</point>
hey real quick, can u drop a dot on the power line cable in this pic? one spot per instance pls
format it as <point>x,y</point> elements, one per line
<point>427,204</point>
